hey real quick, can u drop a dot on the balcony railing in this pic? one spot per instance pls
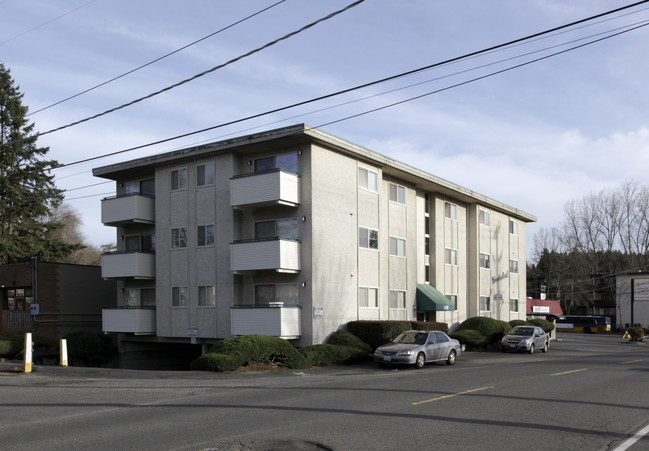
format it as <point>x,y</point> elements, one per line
<point>128,209</point>
<point>261,189</point>
<point>132,264</point>
<point>274,254</point>
<point>134,320</point>
<point>278,320</point>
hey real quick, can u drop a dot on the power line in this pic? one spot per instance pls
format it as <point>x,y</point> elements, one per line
<point>220,66</point>
<point>157,59</point>
<point>47,22</point>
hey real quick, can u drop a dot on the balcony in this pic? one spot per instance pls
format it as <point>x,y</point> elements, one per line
<point>122,265</point>
<point>271,254</point>
<point>134,320</point>
<point>128,209</point>
<point>262,189</point>
<point>278,320</point>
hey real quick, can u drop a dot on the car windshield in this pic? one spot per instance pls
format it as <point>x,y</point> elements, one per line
<point>412,338</point>
<point>524,331</point>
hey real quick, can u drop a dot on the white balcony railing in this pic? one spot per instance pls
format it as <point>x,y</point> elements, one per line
<point>275,254</point>
<point>277,320</point>
<point>260,189</point>
<point>129,209</point>
<point>134,320</point>
<point>121,265</point>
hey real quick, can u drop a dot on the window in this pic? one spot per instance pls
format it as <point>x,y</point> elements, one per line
<point>131,187</point>
<point>205,174</point>
<point>147,297</point>
<point>513,305</point>
<point>288,162</point>
<point>148,243</point>
<point>397,299</point>
<point>205,235</point>
<point>450,211</point>
<point>281,292</point>
<point>513,266</point>
<point>397,246</point>
<point>282,228</point>
<point>139,297</point>
<point>397,194</point>
<point>132,243</point>
<point>368,179</point>
<point>207,296</point>
<point>179,179</point>
<point>179,297</point>
<point>513,227</point>
<point>484,217</point>
<point>485,261</point>
<point>179,238</point>
<point>450,256</point>
<point>453,299</point>
<point>368,297</point>
<point>368,238</point>
<point>485,303</point>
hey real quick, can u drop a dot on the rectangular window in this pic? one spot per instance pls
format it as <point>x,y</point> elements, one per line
<point>368,179</point>
<point>368,297</point>
<point>397,299</point>
<point>147,297</point>
<point>207,296</point>
<point>179,297</point>
<point>397,246</point>
<point>397,194</point>
<point>281,292</point>
<point>513,227</point>
<point>287,162</point>
<point>450,256</point>
<point>179,179</point>
<point>282,228</point>
<point>450,211</point>
<point>205,174</point>
<point>513,305</point>
<point>484,217</point>
<point>513,266</point>
<point>485,303</point>
<point>453,299</point>
<point>179,238</point>
<point>485,261</point>
<point>132,243</point>
<point>205,235</point>
<point>368,238</point>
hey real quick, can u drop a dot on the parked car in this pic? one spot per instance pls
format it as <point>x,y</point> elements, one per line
<point>418,347</point>
<point>525,338</point>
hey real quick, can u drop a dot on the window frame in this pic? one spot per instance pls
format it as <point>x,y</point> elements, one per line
<point>177,240</point>
<point>485,301</point>
<point>367,244</point>
<point>515,303</point>
<point>179,296</point>
<point>202,236</point>
<point>398,303</point>
<point>484,217</point>
<point>485,260</point>
<point>513,266</point>
<point>452,212</point>
<point>366,185</point>
<point>400,246</point>
<point>513,227</point>
<point>400,194</point>
<point>205,181</point>
<point>181,183</point>
<point>452,298</point>
<point>367,290</point>
<point>207,296</point>
<point>450,256</point>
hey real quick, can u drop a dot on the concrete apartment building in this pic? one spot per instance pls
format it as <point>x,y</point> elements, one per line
<point>293,233</point>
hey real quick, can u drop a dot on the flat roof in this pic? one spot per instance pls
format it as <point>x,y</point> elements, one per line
<point>304,133</point>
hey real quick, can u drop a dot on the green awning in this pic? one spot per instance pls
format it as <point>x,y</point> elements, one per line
<point>429,299</point>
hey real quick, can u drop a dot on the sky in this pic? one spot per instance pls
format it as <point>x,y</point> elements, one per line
<point>534,136</point>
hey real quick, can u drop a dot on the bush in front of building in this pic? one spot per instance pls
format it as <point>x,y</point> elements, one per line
<point>5,347</point>
<point>342,346</point>
<point>377,333</point>
<point>547,326</point>
<point>88,349</point>
<point>519,322</point>
<point>16,342</point>
<point>636,334</point>
<point>485,332</point>
<point>232,353</point>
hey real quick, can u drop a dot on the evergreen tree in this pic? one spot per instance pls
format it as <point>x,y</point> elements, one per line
<point>27,189</point>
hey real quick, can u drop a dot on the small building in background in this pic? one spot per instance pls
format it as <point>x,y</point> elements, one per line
<point>632,299</point>
<point>53,299</point>
<point>544,309</point>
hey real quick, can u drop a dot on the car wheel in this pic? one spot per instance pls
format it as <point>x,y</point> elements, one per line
<point>545,347</point>
<point>451,357</point>
<point>531,351</point>
<point>421,360</point>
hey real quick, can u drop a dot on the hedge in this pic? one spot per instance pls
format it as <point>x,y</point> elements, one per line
<point>377,333</point>
<point>481,331</point>
<point>547,326</point>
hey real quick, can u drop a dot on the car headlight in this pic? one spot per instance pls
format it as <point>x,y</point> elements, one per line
<point>406,352</point>
<point>526,342</point>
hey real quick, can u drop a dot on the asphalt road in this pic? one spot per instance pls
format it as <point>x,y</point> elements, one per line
<point>587,392</point>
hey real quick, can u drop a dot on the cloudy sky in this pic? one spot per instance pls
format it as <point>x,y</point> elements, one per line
<point>533,136</point>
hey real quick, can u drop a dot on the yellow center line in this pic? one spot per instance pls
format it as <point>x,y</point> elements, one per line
<point>450,396</point>
<point>568,372</point>
<point>631,361</point>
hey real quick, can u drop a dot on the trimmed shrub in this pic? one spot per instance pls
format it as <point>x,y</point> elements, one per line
<point>329,354</point>
<point>216,362</point>
<point>343,337</point>
<point>5,347</point>
<point>492,329</point>
<point>547,326</point>
<point>636,334</point>
<point>519,322</point>
<point>377,333</point>
<point>17,342</point>
<point>470,337</point>
<point>90,349</point>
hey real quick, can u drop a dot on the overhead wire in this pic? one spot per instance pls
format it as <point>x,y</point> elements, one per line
<point>157,59</point>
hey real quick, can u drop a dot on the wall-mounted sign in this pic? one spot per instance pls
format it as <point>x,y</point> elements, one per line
<point>318,312</point>
<point>540,309</point>
<point>192,331</point>
<point>500,277</point>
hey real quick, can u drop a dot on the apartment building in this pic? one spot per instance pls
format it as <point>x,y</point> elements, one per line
<point>293,233</point>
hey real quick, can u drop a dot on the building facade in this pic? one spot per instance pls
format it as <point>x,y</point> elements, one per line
<point>295,232</point>
<point>632,299</point>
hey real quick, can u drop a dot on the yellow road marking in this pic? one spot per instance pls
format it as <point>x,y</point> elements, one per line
<point>631,361</point>
<point>568,372</point>
<point>450,396</point>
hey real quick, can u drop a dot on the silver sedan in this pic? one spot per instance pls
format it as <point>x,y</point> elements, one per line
<point>418,347</point>
<point>525,338</point>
